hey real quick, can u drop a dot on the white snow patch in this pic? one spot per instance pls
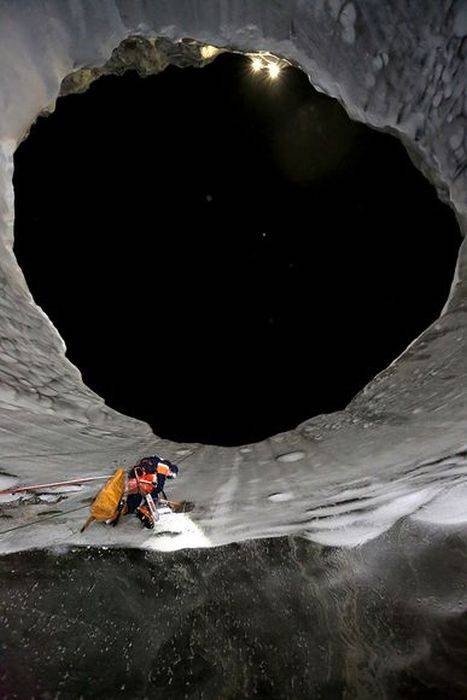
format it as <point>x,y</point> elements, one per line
<point>8,482</point>
<point>176,531</point>
<point>345,537</point>
<point>49,497</point>
<point>183,451</point>
<point>352,528</point>
<point>291,456</point>
<point>377,62</point>
<point>280,497</point>
<point>9,497</point>
<point>449,508</point>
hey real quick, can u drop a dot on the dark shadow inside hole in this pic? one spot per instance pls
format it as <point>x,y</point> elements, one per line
<point>226,256</point>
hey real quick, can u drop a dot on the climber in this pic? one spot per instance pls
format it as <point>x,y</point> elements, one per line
<point>147,477</point>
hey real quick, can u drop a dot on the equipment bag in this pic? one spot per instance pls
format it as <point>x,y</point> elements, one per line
<point>104,507</point>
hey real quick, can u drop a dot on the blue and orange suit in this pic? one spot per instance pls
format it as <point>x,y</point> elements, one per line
<point>151,478</point>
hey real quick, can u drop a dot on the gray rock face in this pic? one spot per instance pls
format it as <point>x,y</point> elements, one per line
<point>146,55</point>
<point>280,618</point>
<point>394,65</point>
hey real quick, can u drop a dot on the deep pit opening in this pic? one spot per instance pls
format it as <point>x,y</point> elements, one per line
<point>226,256</point>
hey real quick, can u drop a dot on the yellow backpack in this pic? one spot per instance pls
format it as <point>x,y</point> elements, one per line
<point>104,506</point>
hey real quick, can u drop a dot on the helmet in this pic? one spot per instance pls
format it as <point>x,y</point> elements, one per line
<point>149,464</point>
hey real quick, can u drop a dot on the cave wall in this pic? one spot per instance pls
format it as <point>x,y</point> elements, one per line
<point>396,65</point>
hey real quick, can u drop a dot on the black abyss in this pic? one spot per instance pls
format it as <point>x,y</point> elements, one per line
<point>224,255</point>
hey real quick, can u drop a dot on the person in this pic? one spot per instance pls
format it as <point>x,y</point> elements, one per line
<point>148,476</point>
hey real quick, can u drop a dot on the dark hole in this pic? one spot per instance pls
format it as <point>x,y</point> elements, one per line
<point>225,256</point>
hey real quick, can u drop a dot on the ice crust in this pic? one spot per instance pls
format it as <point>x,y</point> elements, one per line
<point>399,448</point>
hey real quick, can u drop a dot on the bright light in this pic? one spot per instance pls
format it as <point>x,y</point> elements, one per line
<point>256,64</point>
<point>268,63</point>
<point>175,531</point>
<point>209,51</point>
<point>274,70</point>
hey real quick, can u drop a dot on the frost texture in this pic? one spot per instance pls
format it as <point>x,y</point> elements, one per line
<point>399,447</point>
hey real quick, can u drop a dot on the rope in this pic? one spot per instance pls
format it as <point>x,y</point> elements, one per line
<point>56,515</point>
<point>41,520</point>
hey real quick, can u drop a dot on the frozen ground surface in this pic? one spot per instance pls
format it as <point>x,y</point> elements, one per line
<point>281,618</point>
<point>320,507</point>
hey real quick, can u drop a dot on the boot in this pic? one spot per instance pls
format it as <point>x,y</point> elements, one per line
<point>145,517</point>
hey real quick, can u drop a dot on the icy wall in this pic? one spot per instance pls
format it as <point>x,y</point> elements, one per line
<point>281,618</point>
<point>399,448</point>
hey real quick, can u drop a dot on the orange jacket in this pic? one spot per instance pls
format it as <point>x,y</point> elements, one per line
<point>148,482</point>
